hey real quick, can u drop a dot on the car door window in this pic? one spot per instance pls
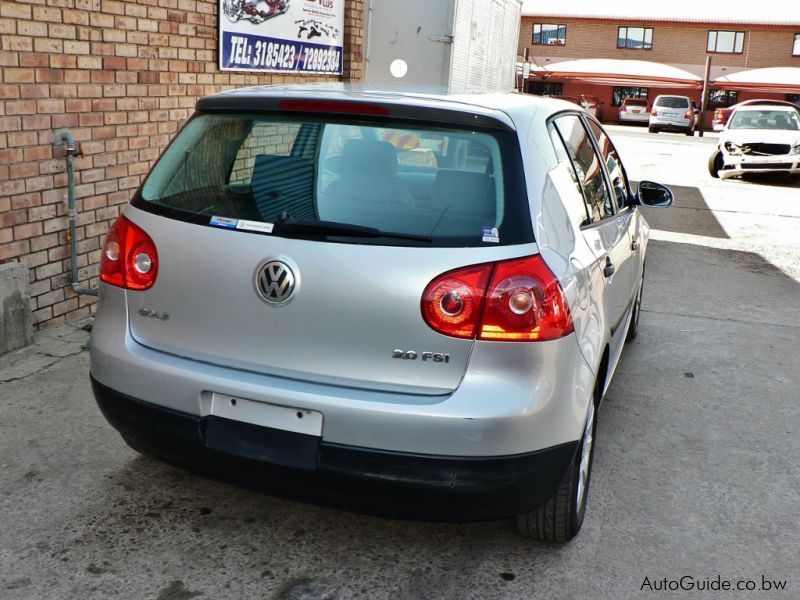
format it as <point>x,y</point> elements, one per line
<point>575,204</point>
<point>616,173</point>
<point>588,166</point>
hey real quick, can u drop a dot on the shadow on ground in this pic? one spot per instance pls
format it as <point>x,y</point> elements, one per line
<point>688,214</point>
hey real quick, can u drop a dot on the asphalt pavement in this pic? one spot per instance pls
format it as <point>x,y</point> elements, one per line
<point>695,482</point>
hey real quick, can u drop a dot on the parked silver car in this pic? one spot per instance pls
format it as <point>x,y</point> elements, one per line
<point>672,113</point>
<point>399,303</point>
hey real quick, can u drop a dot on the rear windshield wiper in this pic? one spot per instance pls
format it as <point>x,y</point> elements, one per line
<point>288,224</point>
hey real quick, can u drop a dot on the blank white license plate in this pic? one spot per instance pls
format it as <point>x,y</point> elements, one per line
<point>286,418</point>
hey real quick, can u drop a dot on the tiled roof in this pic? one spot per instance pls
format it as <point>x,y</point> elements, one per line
<point>742,12</point>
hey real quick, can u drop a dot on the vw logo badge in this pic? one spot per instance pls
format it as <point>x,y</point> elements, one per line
<point>275,282</point>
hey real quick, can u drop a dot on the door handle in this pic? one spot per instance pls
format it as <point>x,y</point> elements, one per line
<point>634,245</point>
<point>609,269</point>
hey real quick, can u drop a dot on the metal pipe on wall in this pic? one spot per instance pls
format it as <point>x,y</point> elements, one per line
<point>64,136</point>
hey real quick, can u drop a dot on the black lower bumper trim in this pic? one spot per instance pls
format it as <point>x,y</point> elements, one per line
<point>375,481</point>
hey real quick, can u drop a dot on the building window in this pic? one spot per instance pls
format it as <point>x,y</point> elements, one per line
<point>546,88</point>
<point>548,34</point>
<point>620,93</point>
<point>721,99</point>
<point>637,38</point>
<point>796,47</point>
<point>794,98</point>
<point>726,42</point>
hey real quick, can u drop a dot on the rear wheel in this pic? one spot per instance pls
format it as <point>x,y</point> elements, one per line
<point>652,129</point>
<point>715,163</point>
<point>560,518</point>
<point>689,131</point>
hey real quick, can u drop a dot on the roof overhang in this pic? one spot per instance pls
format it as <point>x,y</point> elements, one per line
<point>780,80</point>
<point>619,72</point>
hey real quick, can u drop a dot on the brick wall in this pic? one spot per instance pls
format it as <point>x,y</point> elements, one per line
<point>680,44</point>
<point>123,77</point>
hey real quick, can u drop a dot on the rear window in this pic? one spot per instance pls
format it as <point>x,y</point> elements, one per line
<point>634,102</point>
<point>423,185</point>
<point>672,102</point>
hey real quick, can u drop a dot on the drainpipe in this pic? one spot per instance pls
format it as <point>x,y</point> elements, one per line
<point>64,136</point>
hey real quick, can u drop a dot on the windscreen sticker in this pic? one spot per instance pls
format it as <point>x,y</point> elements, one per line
<point>254,226</point>
<point>491,235</point>
<point>223,222</point>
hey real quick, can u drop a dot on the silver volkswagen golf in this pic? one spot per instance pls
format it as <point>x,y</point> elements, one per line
<point>402,304</point>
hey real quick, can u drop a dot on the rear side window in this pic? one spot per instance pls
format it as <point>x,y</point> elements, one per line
<point>672,102</point>
<point>446,187</point>
<point>616,173</point>
<point>587,166</point>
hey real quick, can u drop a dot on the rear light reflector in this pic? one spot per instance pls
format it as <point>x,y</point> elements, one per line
<point>513,300</point>
<point>129,258</point>
<point>325,106</point>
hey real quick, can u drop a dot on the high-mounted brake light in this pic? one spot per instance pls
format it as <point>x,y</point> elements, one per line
<point>129,259</point>
<point>325,106</point>
<point>513,300</point>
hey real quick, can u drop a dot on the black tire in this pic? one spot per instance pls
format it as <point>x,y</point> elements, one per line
<point>652,129</point>
<point>560,518</point>
<point>715,163</point>
<point>690,131</point>
<point>633,326</point>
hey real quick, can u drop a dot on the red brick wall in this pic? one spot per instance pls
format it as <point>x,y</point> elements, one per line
<point>123,77</point>
<point>673,43</point>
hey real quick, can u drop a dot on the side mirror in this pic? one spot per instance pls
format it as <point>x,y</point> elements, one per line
<point>654,195</point>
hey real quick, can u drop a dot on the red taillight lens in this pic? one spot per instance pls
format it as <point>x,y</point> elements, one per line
<point>514,300</point>
<point>688,114</point>
<point>452,303</point>
<point>654,112</point>
<point>524,303</point>
<point>129,259</point>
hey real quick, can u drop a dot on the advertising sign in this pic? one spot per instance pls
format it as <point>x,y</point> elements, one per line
<point>281,36</point>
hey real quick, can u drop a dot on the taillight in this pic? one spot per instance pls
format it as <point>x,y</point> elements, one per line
<point>688,114</point>
<point>452,303</point>
<point>654,112</point>
<point>622,109</point>
<point>129,257</point>
<point>513,300</point>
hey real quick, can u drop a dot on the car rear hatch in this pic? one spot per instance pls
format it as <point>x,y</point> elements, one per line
<point>672,109</point>
<point>298,244</point>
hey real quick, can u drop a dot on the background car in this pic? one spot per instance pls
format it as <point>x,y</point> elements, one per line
<point>590,104</point>
<point>758,138</point>
<point>672,113</point>
<point>634,110</point>
<point>298,297</point>
<point>721,115</point>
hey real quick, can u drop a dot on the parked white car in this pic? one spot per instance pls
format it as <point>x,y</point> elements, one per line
<point>760,139</point>
<point>634,110</point>
<point>672,113</point>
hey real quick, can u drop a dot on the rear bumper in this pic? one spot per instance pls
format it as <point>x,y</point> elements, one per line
<point>674,124</point>
<point>376,481</point>
<point>626,117</point>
